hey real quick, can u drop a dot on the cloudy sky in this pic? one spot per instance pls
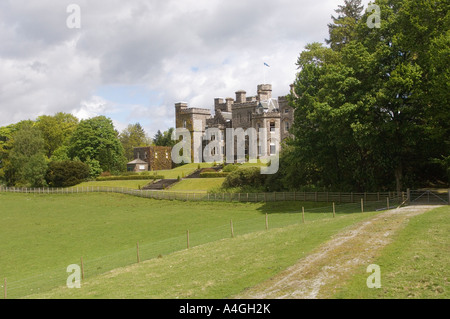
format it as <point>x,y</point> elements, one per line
<point>132,60</point>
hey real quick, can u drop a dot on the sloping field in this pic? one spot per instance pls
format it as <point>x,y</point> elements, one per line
<point>41,234</point>
<point>219,269</point>
<point>321,273</point>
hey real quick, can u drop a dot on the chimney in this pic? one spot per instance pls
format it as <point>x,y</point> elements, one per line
<point>229,103</point>
<point>217,103</point>
<point>241,96</point>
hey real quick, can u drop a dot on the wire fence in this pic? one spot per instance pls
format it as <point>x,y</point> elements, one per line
<point>337,197</point>
<point>53,277</point>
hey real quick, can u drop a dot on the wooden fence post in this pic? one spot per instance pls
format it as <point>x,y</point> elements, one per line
<point>362,205</point>
<point>267,222</point>
<point>303,215</point>
<point>137,251</point>
<point>82,269</point>
<point>187,235</point>
<point>232,230</point>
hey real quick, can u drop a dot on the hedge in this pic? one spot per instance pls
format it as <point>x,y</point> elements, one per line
<point>128,177</point>
<point>213,174</point>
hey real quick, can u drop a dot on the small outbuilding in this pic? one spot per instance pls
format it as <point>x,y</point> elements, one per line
<point>137,165</point>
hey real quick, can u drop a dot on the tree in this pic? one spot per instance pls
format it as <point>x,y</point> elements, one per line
<point>66,173</point>
<point>365,118</point>
<point>96,139</point>
<point>342,30</point>
<point>6,143</point>
<point>28,164</point>
<point>165,138</point>
<point>131,137</point>
<point>56,130</point>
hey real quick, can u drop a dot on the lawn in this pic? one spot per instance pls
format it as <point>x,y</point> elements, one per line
<point>415,265</point>
<point>134,184</point>
<point>197,184</point>
<point>215,270</point>
<point>182,171</point>
<point>41,234</point>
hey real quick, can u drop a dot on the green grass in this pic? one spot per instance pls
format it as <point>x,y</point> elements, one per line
<point>182,171</point>
<point>134,184</point>
<point>415,265</point>
<point>197,184</point>
<point>220,269</point>
<point>40,235</point>
<point>137,184</point>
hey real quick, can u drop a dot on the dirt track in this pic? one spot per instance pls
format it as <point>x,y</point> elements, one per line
<point>318,274</point>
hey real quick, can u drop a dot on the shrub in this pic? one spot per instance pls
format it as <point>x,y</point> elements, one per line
<point>230,168</point>
<point>129,177</point>
<point>248,176</point>
<point>213,174</point>
<point>66,173</point>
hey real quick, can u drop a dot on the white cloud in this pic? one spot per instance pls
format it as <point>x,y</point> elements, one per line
<point>188,50</point>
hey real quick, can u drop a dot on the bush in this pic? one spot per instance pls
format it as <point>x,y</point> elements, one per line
<point>128,177</point>
<point>230,168</point>
<point>213,174</point>
<point>248,176</point>
<point>66,173</point>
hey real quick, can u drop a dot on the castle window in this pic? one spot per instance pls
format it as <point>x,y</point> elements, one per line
<point>249,116</point>
<point>286,126</point>
<point>145,155</point>
<point>272,126</point>
<point>184,124</point>
<point>272,149</point>
<point>286,111</point>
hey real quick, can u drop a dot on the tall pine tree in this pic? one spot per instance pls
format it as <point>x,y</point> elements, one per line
<point>342,30</point>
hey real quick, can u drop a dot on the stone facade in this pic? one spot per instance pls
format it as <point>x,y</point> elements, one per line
<point>156,157</point>
<point>260,112</point>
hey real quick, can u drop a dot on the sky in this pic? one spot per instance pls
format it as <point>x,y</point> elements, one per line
<point>133,60</point>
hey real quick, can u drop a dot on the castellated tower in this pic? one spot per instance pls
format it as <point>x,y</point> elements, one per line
<point>260,112</point>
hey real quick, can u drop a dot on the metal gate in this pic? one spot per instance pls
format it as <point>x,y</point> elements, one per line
<point>428,197</point>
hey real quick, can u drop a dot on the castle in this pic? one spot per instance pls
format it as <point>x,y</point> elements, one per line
<point>259,112</point>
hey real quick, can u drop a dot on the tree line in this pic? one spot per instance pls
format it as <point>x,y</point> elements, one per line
<point>372,104</point>
<point>60,150</point>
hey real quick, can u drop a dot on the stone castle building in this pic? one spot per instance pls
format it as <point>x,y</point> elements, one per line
<point>260,112</point>
<point>151,158</point>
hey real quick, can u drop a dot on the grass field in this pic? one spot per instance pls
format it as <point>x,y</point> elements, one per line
<point>197,184</point>
<point>415,265</point>
<point>134,184</point>
<point>40,235</point>
<point>182,171</point>
<point>215,270</point>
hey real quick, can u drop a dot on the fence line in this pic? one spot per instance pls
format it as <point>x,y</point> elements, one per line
<point>137,252</point>
<point>337,197</point>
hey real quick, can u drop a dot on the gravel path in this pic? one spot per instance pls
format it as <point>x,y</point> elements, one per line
<point>320,273</point>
